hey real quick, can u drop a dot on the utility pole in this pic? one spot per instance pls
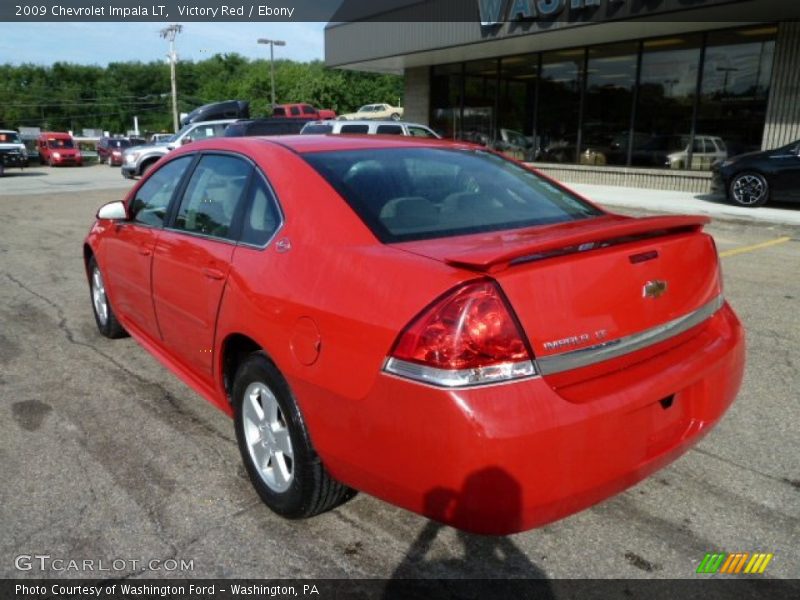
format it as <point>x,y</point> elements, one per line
<point>169,33</point>
<point>272,44</point>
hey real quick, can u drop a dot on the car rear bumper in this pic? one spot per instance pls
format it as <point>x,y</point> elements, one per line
<point>506,458</point>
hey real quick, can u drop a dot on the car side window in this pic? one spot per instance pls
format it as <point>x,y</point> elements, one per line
<point>213,195</point>
<point>390,130</point>
<point>420,132</point>
<point>206,131</point>
<point>263,217</point>
<point>309,110</point>
<point>355,129</point>
<point>295,110</point>
<point>149,206</point>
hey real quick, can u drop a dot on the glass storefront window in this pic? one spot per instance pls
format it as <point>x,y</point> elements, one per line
<point>667,89</point>
<point>626,104</point>
<point>480,91</point>
<point>610,81</point>
<point>516,106</point>
<point>446,90</point>
<point>736,78</point>
<point>559,104</point>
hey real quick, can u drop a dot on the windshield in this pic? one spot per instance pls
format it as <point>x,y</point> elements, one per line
<point>60,144</point>
<point>405,194</point>
<point>9,137</point>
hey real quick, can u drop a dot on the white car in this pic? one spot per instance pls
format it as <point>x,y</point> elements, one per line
<point>369,128</point>
<point>375,111</point>
<point>706,151</point>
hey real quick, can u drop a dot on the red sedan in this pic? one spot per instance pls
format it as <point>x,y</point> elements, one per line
<point>424,321</point>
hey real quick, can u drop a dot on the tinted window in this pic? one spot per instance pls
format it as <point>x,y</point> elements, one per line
<point>417,193</point>
<point>309,110</point>
<point>354,129</point>
<point>279,111</point>
<point>150,204</point>
<point>262,218</point>
<point>317,129</point>
<point>390,129</point>
<point>295,110</point>
<point>212,196</point>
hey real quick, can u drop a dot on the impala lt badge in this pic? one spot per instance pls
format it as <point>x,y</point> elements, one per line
<point>654,289</point>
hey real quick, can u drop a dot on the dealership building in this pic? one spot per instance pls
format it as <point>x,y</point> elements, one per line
<point>642,93</point>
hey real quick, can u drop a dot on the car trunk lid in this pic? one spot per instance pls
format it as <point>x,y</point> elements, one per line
<point>598,282</point>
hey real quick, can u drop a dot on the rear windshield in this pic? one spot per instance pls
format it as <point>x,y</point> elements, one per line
<point>279,111</point>
<point>405,194</point>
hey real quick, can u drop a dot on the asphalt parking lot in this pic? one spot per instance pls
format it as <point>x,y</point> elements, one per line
<point>105,455</point>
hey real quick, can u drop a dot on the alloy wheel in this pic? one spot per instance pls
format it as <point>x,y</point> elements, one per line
<point>267,436</point>
<point>748,189</point>
<point>99,299</point>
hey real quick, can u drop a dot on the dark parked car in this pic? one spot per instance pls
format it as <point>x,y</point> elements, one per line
<point>110,149</point>
<point>229,109</point>
<point>269,126</point>
<point>754,179</point>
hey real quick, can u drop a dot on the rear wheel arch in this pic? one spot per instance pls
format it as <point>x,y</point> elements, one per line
<point>236,348</point>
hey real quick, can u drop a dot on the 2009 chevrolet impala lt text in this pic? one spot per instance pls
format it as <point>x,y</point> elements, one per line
<point>421,320</point>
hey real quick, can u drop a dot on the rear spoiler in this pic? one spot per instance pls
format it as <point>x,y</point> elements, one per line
<point>569,238</point>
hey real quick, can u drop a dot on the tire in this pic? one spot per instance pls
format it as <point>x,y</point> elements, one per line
<point>749,189</point>
<point>2,169</point>
<point>104,315</point>
<point>276,450</point>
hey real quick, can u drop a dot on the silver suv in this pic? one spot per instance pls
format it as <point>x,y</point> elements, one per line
<point>137,159</point>
<point>369,128</point>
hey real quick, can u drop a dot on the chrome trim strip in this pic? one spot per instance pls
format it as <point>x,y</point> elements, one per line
<point>453,379</point>
<point>574,359</point>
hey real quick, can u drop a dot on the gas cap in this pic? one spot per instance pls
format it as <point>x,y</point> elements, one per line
<point>305,341</point>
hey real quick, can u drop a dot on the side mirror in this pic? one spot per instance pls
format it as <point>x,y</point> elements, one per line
<point>113,211</point>
<point>186,140</point>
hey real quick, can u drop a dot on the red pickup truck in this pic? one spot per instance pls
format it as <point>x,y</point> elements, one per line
<point>302,111</point>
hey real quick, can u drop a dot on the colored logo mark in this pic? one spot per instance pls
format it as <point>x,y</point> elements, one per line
<point>735,563</point>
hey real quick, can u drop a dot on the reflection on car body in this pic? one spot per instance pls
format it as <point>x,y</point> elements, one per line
<point>389,315</point>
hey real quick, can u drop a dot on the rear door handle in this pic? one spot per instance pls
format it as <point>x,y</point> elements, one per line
<point>213,273</point>
<point>144,251</point>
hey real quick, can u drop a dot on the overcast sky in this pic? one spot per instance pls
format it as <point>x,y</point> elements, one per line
<point>101,43</point>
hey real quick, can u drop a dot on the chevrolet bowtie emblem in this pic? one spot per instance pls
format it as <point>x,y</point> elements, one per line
<point>654,289</point>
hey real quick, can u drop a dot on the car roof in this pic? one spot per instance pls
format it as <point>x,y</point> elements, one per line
<point>304,144</point>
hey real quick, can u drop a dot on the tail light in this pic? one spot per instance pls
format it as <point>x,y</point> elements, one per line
<point>468,337</point>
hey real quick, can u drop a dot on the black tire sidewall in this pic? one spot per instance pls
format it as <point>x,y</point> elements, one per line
<point>761,202</point>
<point>294,501</point>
